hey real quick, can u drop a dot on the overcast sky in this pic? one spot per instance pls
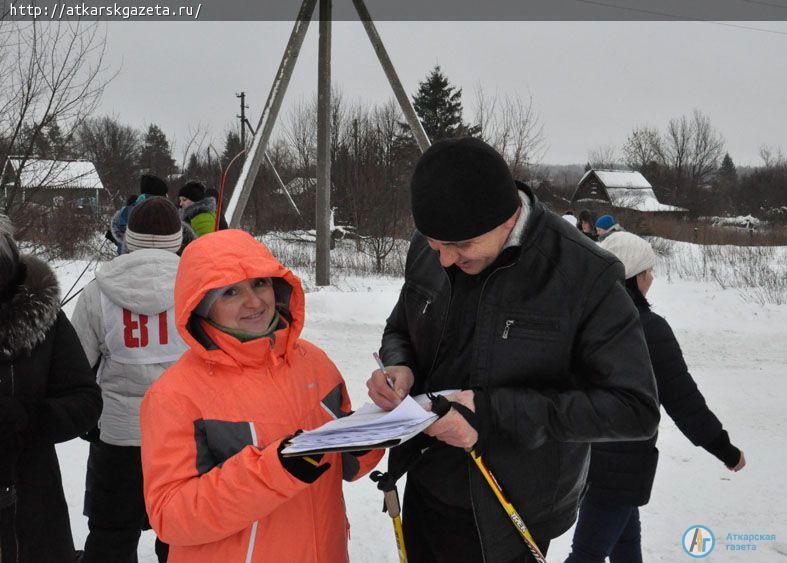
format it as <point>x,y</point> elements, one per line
<point>591,81</point>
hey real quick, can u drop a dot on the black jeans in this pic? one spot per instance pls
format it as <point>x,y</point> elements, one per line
<point>437,533</point>
<point>606,531</point>
<point>114,505</point>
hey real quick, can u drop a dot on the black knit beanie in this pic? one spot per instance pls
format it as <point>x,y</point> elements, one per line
<point>192,190</point>
<point>461,188</point>
<point>152,185</point>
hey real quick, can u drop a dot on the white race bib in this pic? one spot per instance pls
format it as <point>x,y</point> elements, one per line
<point>140,339</point>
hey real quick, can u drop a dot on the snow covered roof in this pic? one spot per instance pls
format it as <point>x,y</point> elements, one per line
<point>54,174</point>
<point>619,178</point>
<point>639,199</point>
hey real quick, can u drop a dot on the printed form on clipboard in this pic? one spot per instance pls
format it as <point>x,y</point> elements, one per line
<point>368,428</point>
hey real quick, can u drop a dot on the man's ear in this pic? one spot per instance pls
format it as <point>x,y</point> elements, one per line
<point>512,220</point>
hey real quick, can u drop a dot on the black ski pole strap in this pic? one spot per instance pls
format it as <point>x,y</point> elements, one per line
<point>441,406</point>
<point>477,420</point>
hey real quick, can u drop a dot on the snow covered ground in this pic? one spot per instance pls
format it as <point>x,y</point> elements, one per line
<point>736,350</point>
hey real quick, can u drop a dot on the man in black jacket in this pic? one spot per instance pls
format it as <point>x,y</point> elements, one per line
<point>506,302</point>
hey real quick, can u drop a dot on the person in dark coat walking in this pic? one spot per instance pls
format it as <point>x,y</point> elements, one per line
<point>47,395</point>
<point>515,307</point>
<point>622,473</point>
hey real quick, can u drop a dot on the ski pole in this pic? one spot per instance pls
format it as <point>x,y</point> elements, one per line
<point>519,524</point>
<point>66,297</point>
<point>392,506</point>
<point>441,406</point>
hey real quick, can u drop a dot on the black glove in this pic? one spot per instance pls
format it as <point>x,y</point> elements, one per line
<point>304,468</point>
<point>110,237</point>
<point>13,417</point>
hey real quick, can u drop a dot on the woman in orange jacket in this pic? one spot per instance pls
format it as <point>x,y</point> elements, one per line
<point>216,486</point>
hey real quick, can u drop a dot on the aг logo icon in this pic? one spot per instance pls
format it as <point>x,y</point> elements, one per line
<point>698,541</point>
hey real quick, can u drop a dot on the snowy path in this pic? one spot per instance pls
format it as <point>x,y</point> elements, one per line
<point>736,352</point>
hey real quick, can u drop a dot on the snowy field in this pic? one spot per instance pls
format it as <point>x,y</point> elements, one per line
<point>736,349</point>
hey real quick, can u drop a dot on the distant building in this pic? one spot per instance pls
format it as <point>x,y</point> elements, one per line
<point>53,181</point>
<point>299,185</point>
<point>618,188</point>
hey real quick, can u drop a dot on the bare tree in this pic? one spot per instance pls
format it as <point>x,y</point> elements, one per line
<point>510,124</point>
<point>195,141</point>
<point>773,157</point>
<point>300,130</point>
<point>643,147</point>
<point>53,72</point>
<point>114,149</point>
<point>603,157</point>
<point>706,151</point>
<point>692,150</point>
<point>373,167</point>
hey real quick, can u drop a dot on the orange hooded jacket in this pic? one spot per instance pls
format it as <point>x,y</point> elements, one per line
<point>215,489</point>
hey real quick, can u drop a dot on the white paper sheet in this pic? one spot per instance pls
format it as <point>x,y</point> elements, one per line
<point>368,426</point>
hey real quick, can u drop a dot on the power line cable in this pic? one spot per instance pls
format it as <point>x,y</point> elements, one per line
<point>677,17</point>
<point>771,4</point>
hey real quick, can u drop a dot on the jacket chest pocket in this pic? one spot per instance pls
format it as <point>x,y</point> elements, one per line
<point>528,347</point>
<point>418,301</point>
<point>424,317</point>
<point>517,326</point>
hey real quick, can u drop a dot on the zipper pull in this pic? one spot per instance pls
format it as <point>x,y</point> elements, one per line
<point>428,302</point>
<point>507,328</point>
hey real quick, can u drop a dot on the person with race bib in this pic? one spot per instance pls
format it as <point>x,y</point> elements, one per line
<point>125,322</point>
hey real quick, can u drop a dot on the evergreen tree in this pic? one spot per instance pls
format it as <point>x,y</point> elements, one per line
<point>232,146</point>
<point>439,107</point>
<point>156,155</point>
<point>727,184</point>
<point>727,171</point>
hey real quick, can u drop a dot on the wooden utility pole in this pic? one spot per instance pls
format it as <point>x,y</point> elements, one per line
<point>240,194</point>
<point>323,215</point>
<point>242,117</point>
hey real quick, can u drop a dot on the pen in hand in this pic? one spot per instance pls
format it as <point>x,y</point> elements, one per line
<point>380,364</point>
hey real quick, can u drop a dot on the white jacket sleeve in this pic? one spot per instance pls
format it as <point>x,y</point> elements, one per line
<point>87,322</point>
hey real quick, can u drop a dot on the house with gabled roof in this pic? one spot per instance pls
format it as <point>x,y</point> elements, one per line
<point>47,181</point>
<point>625,189</point>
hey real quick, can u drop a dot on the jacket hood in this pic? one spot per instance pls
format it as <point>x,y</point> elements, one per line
<point>205,205</point>
<point>142,281</point>
<point>224,258</point>
<point>26,318</point>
